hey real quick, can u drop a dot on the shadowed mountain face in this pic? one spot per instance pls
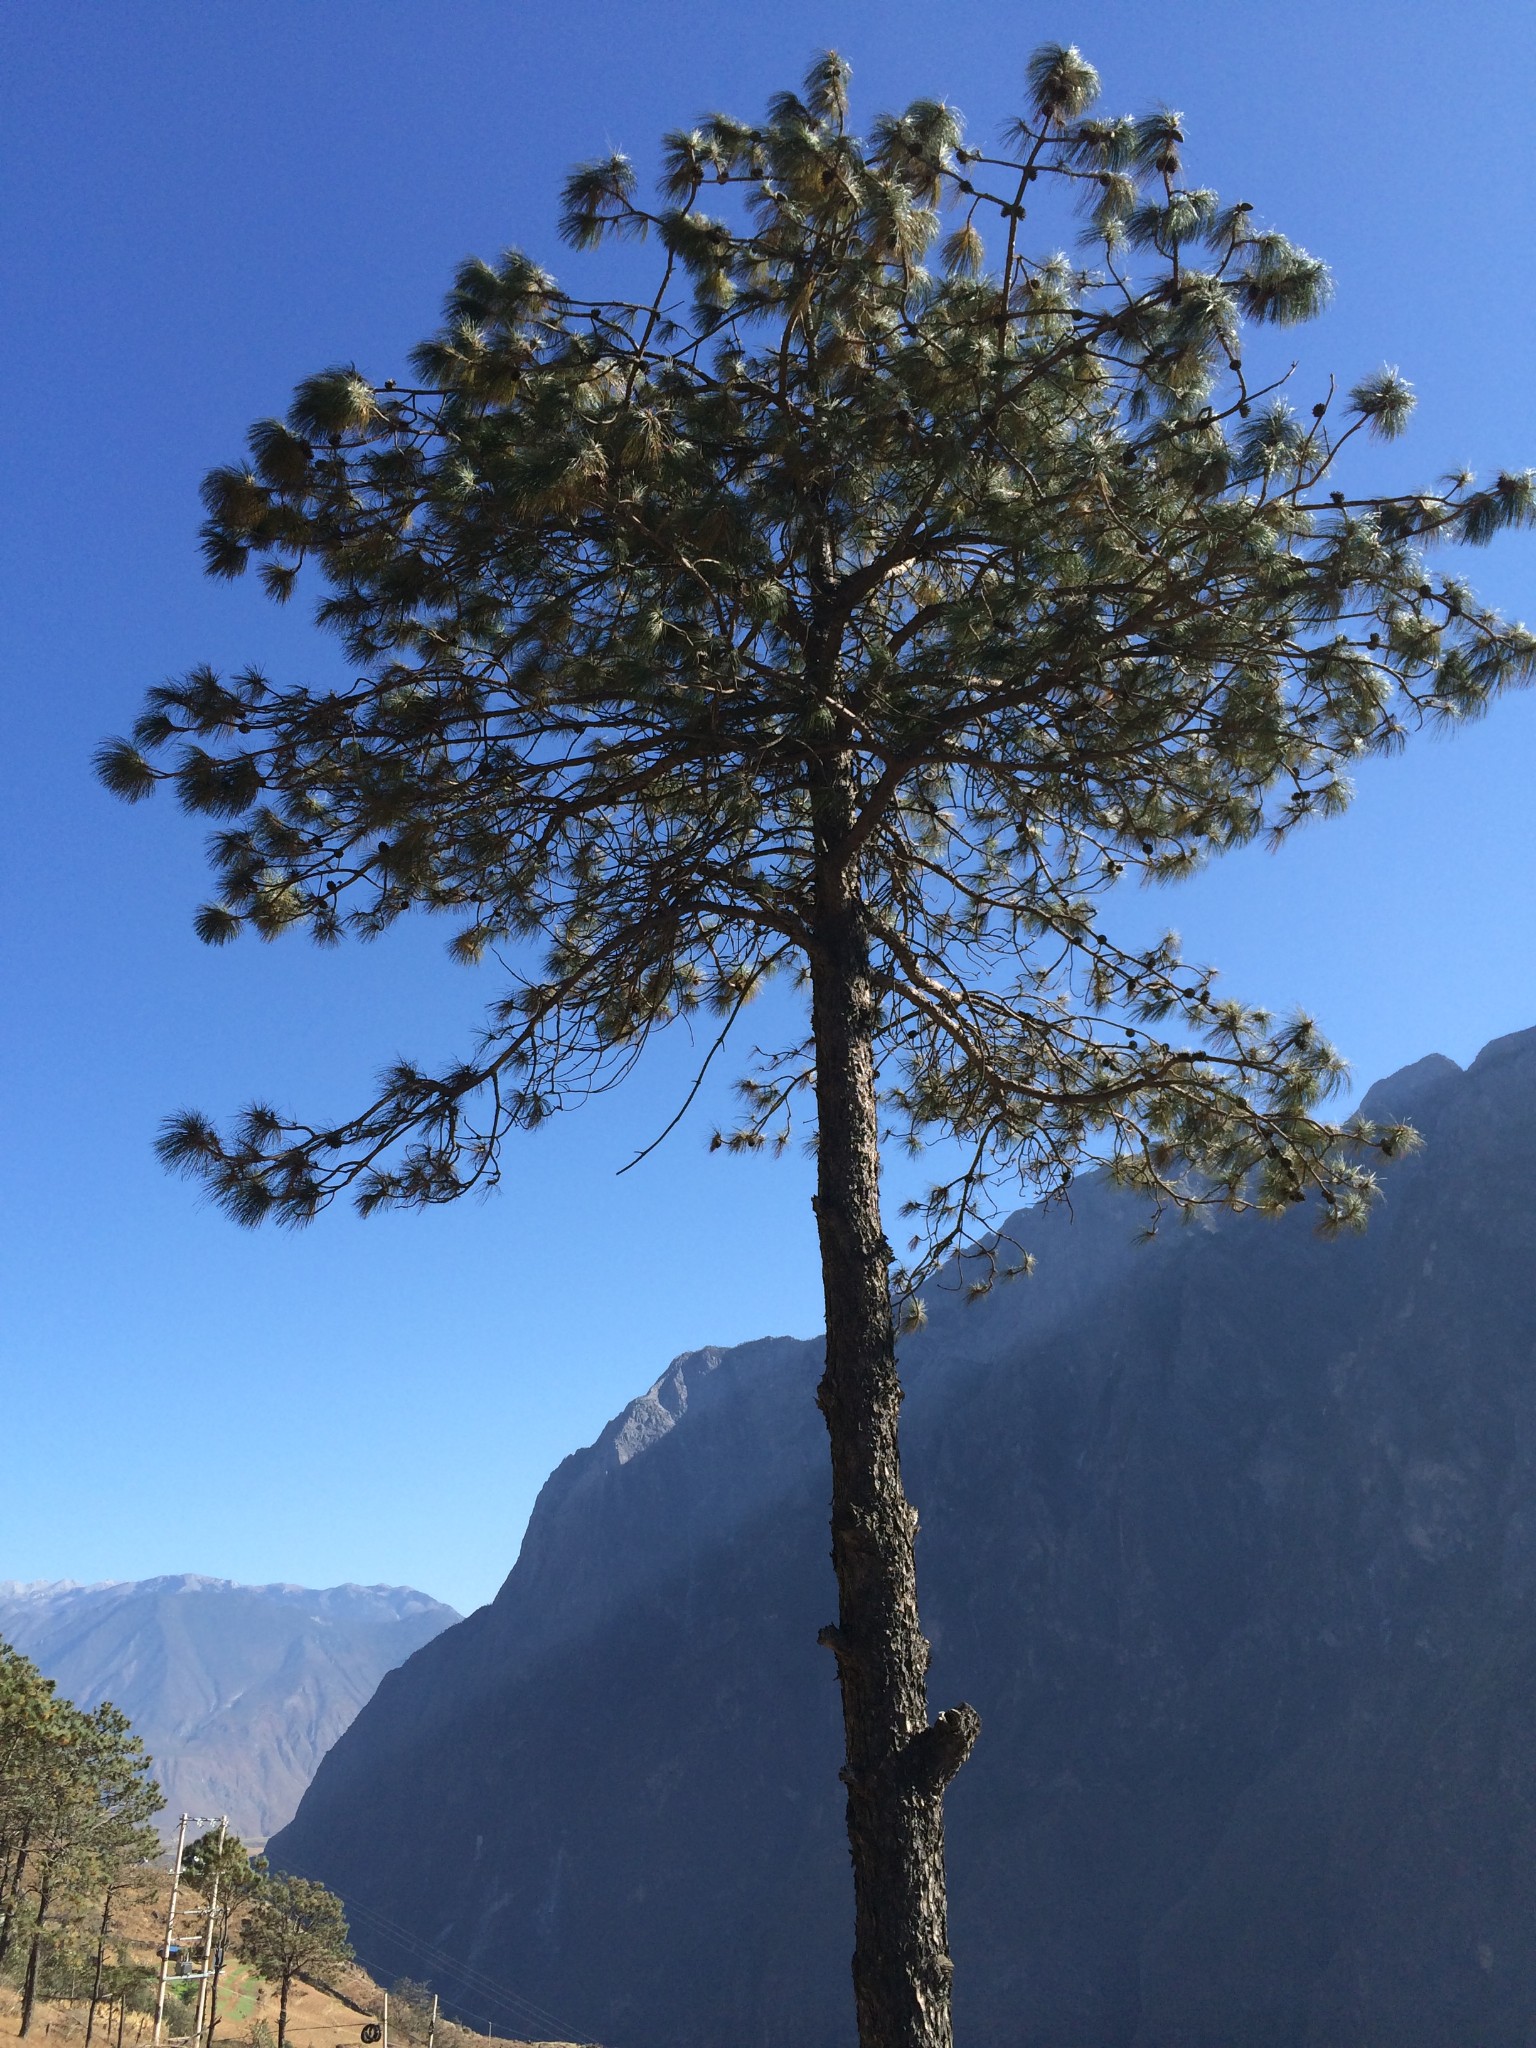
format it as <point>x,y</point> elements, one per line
<point>238,1691</point>
<point>1231,1539</point>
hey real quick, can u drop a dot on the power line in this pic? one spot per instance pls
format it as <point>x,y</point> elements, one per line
<point>523,2009</point>
<point>475,1979</point>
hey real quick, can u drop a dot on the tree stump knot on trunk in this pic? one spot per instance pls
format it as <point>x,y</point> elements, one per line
<point>926,1762</point>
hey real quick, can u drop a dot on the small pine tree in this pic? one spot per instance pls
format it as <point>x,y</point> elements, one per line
<point>293,1927</point>
<point>220,1867</point>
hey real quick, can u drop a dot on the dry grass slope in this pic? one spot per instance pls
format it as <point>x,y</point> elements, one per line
<point>319,2016</point>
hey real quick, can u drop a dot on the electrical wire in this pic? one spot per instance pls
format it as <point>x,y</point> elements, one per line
<point>523,2009</point>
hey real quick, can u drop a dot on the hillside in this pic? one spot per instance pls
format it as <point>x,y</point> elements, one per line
<point>325,2013</point>
<point>1232,1540</point>
<point>238,1691</point>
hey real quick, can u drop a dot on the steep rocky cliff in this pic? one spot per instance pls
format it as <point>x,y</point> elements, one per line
<point>1232,1540</point>
<point>237,1691</point>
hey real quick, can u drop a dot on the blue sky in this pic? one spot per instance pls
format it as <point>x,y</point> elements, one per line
<point>204,202</point>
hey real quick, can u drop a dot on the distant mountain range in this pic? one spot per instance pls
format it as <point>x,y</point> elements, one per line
<point>1230,1537</point>
<point>238,1691</point>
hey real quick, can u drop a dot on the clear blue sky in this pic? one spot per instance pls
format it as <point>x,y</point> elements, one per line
<point>204,202</point>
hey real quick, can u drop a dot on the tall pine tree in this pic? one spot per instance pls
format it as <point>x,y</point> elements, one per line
<point>863,605</point>
<point>76,1802</point>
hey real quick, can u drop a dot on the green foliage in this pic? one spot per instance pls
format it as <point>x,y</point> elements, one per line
<point>223,1871</point>
<point>223,1863</point>
<point>68,1967</point>
<point>1013,550</point>
<point>131,1985</point>
<point>76,1802</point>
<point>76,1798</point>
<point>410,2011</point>
<point>293,1927</point>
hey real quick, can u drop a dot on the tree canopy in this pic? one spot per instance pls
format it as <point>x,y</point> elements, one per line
<point>76,1803</point>
<point>1091,609</point>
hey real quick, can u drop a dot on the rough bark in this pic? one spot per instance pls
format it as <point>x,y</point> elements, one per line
<point>16,1878</point>
<point>34,1958</point>
<point>282,2010</point>
<point>898,1762</point>
<point>101,1961</point>
<point>213,1988</point>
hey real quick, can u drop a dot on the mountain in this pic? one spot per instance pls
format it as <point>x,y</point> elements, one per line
<point>238,1691</point>
<point>1231,1538</point>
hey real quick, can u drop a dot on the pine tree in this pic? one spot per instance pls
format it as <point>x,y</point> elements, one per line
<point>124,1871</point>
<point>838,613</point>
<point>76,1800</point>
<point>89,1803</point>
<point>222,1870</point>
<point>26,1706</point>
<point>293,1928</point>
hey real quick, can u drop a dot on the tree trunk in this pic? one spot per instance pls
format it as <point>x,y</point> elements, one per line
<point>898,1762</point>
<point>34,1955</point>
<point>101,1958</point>
<point>282,2010</point>
<point>213,1987</point>
<point>17,1879</point>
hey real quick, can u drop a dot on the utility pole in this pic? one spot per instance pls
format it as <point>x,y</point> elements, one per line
<point>203,1821</point>
<point>386,2020</point>
<point>170,1929</point>
<point>213,1907</point>
<point>432,2024</point>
